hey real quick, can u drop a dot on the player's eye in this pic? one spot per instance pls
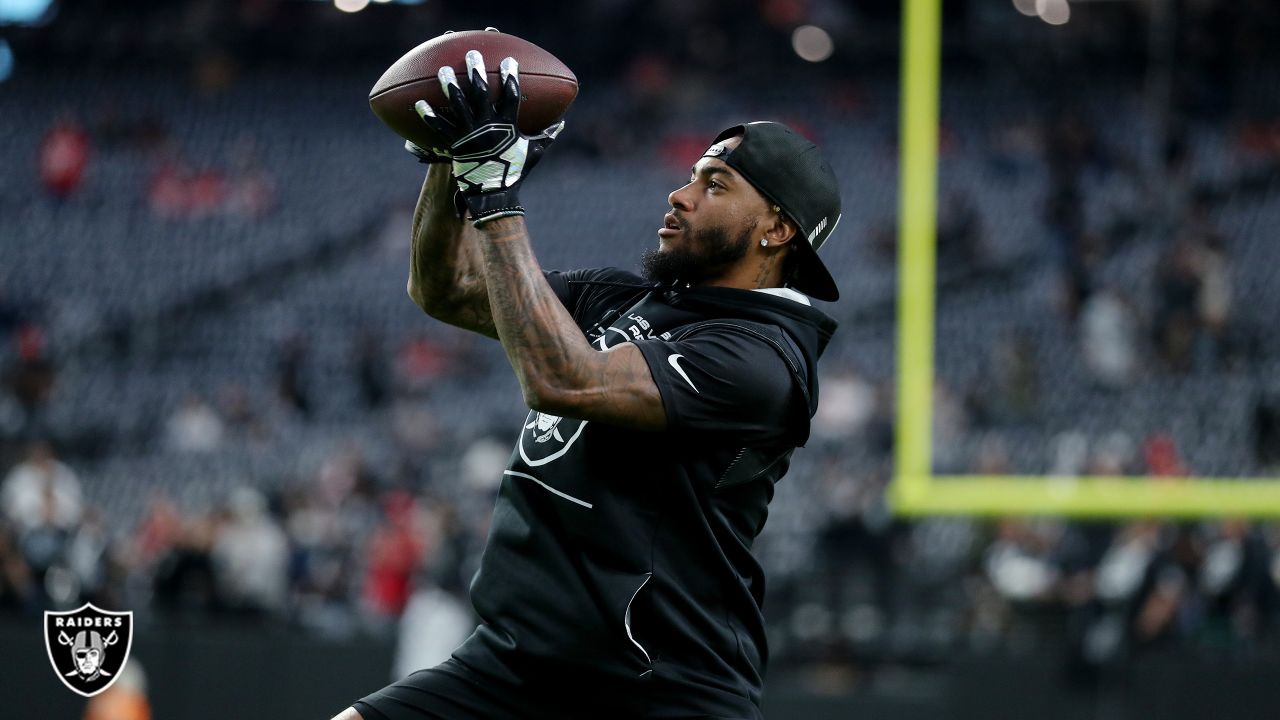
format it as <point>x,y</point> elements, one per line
<point>714,185</point>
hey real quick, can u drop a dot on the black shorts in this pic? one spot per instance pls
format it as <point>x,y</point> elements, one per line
<point>454,690</point>
<point>448,691</point>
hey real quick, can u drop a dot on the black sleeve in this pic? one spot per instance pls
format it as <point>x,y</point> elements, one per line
<point>582,298</point>
<point>559,282</point>
<point>722,380</point>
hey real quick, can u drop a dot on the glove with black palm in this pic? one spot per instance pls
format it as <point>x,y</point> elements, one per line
<point>490,155</point>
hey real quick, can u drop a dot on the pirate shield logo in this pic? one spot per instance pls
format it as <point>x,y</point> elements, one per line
<point>88,646</point>
<point>547,437</point>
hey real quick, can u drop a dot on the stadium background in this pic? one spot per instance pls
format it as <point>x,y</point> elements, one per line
<point>221,411</point>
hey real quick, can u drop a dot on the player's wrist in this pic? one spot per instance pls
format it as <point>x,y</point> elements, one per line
<point>487,208</point>
<point>440,192</point>
<point>502,225</point>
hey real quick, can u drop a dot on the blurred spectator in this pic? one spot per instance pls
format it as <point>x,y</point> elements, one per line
<point>321,566</point>
<point>41,490</point>
<point>437,617</point>
<point>395,550</point>
<point>346,481</point>
<point>484,462</point>
<point>855,548</point>
<point>1235,580</point>
<point>1177,318</point>
<point>250,188</point>
<point>87,557</point>
<point>34,376</point>
<point>371,371</point>
<point>194,427</point>
<point>241,419</point>
<point>414,426</point>
<point>185,582</point>
<point>1018,562</point>
<point>176,191</point>
<point>1015,147</point>
<point>206,193</point>
<point>1016,381</point>
<point>420,362</point>
<point>993,456</point>
<point>950,422</point>
<point>159,530</point>
<point>291,375</point>
<point>17,587</point>
<point>1133,580</point>
<point>250,556</point>
<point>847,403</point>
<point>11,315</point>
<point>961,245</point>
<point>43,544</point>
<point>433,625</point>
<point>1175,189</point>
<point>167,190</point>
<point>1265,432</point>
<point>1162,456</point>
<point>1070,454</point>
<point>1114,456</point>
<point>64,154</point>
<point>1109,338</point>
<point>1214,298</point>
<point>1064,222</point>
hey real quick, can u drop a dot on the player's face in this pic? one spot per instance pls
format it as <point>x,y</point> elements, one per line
<point>711,225</point>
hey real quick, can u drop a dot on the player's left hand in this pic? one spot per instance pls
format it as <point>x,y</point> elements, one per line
<point>426,156</point>
<point>490,155</point>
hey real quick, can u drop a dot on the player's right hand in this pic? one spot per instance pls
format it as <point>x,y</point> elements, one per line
<point>428,156</point>
<point>491,157</point>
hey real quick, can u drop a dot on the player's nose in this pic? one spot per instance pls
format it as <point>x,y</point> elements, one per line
<point>679,199</point>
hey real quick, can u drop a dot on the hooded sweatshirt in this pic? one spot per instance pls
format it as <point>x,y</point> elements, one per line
<point>618,579</point>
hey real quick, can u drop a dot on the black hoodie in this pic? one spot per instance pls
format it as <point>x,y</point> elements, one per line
<point>618,579</point>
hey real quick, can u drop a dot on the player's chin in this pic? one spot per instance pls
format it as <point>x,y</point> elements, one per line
<point>672,238</point>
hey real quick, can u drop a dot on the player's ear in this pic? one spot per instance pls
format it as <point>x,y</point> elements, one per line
<point>779,229</point>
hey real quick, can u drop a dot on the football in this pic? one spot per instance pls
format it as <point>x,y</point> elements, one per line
<point>547,86</point>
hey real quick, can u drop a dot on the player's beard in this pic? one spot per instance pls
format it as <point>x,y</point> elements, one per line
<point>706,255</point>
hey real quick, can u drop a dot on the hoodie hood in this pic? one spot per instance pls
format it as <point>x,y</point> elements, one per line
<point>808,328</point>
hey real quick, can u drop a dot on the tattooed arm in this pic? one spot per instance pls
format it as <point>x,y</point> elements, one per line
<point>446,270</point>
<point>559,372</point>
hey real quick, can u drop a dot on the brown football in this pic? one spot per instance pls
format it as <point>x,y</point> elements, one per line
<point>547,86</point>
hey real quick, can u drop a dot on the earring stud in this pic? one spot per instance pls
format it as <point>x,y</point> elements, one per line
<point>763,242</point>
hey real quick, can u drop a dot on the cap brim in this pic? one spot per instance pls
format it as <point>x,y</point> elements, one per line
<point>811,276</point>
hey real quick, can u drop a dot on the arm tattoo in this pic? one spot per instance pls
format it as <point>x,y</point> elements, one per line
<point>558,370</point>
<point>446,270</point>
<point>540,337</point>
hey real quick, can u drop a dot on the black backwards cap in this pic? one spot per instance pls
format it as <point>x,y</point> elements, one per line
<point>791,173</point>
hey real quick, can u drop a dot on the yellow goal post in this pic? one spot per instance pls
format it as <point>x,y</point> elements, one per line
<point>916,490</point>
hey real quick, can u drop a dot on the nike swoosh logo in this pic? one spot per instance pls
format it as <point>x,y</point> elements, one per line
<point>675,363</point>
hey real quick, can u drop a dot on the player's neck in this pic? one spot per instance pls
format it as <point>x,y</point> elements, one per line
<point>754,272</point>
